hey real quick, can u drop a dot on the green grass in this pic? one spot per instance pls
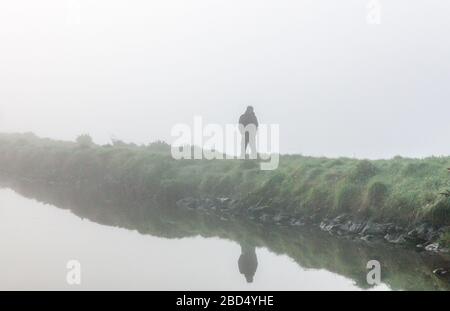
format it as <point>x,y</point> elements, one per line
<point>400,190</point>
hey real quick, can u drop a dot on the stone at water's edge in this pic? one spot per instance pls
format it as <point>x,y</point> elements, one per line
<point>396,238</point>
<point>422,236</point>
<point>442,273</point>
<point>433,247</point>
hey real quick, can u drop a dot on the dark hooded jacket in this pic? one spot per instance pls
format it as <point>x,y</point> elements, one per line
<point>248,262</point>
<point>248,118</point>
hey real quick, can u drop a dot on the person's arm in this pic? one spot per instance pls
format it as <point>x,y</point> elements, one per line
<point>241,124</point>
<point>256,121</point>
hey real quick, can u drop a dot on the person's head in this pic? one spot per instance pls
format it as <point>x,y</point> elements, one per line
<point>249,278</point>
<point>250,109</point>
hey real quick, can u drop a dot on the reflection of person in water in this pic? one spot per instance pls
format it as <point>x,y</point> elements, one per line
<point>248,262</point>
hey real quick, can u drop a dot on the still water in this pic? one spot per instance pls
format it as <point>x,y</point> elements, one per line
<point>42,228</point>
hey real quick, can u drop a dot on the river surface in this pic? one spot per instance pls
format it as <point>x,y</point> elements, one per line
<point>42,228</point>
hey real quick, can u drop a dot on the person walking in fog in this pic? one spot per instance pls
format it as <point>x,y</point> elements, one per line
<point>248,126</point>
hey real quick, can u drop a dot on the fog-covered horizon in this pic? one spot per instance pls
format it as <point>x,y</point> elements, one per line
<point>336,85</point>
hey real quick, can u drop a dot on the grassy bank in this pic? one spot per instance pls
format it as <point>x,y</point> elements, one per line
<point>399,190</point>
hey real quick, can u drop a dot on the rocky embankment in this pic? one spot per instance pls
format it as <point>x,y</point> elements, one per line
<point>422,236</point>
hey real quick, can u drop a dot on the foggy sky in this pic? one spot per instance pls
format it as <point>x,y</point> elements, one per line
<point>132,69</point>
